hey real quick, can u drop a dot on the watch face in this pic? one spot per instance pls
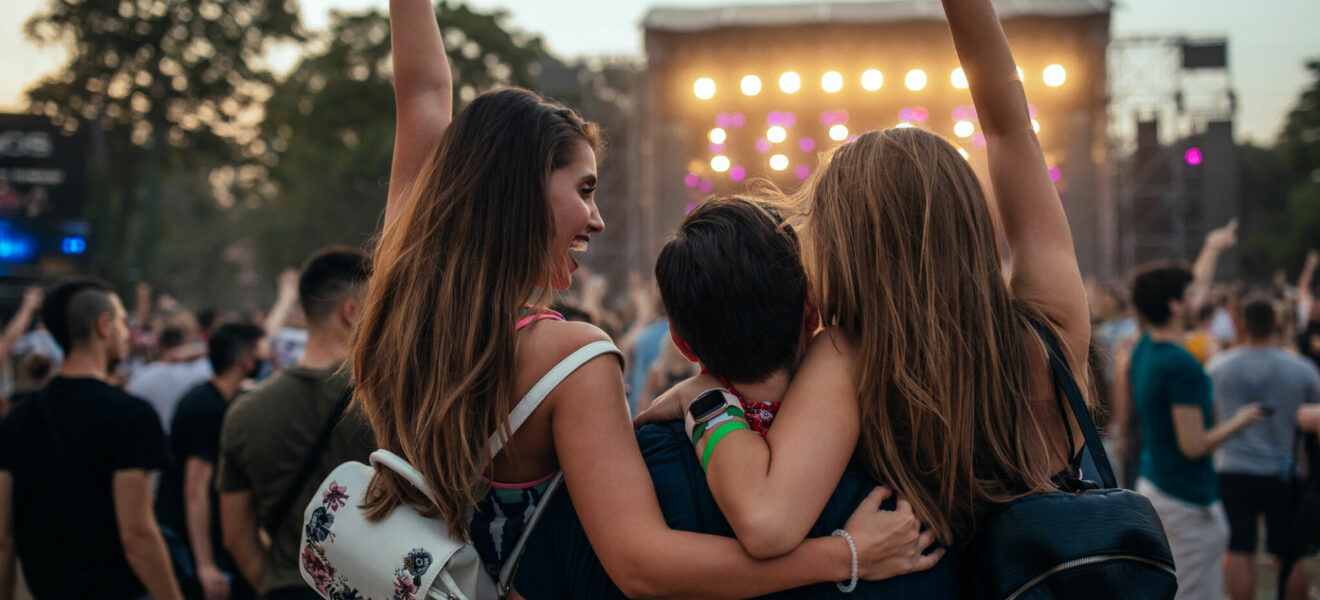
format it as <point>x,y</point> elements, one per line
<point>707,406</point>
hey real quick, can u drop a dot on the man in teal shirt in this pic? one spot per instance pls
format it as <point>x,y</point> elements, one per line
<point>1172,398</point>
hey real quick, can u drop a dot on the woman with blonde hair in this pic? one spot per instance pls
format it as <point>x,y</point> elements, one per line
<point>485,212</point>
<point>930,369</point>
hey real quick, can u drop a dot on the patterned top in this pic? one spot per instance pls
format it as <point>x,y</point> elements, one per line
<point>499,518</point>
<point>759,414</point>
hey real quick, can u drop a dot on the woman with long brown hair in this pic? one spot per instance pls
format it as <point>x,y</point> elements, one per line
<point>484,214</point>
<point>930,370</point>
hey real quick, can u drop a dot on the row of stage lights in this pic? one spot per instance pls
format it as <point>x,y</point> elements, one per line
<point>835,122</point>
<point>872,80</point>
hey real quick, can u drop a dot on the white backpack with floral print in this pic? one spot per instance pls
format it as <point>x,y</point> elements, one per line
<point>406,556</point>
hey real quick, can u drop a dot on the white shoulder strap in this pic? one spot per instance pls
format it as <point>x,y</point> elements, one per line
<point>548,383</point>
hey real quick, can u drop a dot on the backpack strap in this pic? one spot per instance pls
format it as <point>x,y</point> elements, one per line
<point>547,384</point>
<point>309,464</point>
<point>1064,382</point>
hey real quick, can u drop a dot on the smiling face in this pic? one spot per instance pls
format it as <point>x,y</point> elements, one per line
<point>572,196</point>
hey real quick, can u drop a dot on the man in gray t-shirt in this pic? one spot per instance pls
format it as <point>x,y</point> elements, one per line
<point>1255,466</point>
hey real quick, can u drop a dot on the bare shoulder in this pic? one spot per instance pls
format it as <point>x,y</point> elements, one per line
<point>831,341</point>
<point>544,344</point>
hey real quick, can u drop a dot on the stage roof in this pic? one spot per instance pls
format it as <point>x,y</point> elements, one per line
<point>841,13</point>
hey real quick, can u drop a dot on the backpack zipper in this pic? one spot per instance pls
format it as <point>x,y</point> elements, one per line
<point>1090,560</point>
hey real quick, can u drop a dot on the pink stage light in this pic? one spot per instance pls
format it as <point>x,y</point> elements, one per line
<point>978,140</point>
<point>1055,174</point>
<point>841,116</point>
<point>736,120</point>
<point>921,114</point>
<point>717,148</point>
<point>962,113</point>
<point>723,121</point>
<point>762,145</point>
<point>852,137</point>
<point>788,119</point>
<point>802,171</point>
<point>827,118</point>
<point>1193,156</point>
<point>807,144</point>
<point>906,115</point>
<point>706,186</point>
<point>1031,110</point>
<point>773,118</point>
<point>691,206</point>
<point>737,173</point>
<point>692,180</point>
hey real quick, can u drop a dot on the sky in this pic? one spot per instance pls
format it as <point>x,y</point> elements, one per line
<point>1269,40</point>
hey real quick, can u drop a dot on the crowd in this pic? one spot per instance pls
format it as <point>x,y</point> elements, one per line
<point>916,383</point>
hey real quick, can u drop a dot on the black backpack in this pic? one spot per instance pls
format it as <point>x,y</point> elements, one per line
<point>1082,542</point>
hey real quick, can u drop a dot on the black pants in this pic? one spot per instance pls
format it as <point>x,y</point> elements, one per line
<point>1246,498</point>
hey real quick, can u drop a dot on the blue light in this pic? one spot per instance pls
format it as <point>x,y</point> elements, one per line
<point>73,244</point>
<point>15,246</point>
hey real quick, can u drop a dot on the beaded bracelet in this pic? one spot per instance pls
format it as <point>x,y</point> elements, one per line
<point>852,583</point>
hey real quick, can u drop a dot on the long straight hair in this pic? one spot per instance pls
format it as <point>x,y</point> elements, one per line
<point>904,258</point>
<point>434,352</point>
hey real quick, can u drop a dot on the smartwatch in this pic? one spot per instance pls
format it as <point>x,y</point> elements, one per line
<point>712,406</point>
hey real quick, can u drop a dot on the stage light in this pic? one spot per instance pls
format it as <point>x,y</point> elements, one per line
<point>807,144</point>
<point>737,120</point>
<point>779,162</point>
<point>915,80</point>
<point>958,79</point>
<point>964,129</point>
<point>1055,174</point>
<point>839,133</point>
<point>790,82</point>
<point>787,119</point>
<point>831,82</point>
<point>776,134</point>
<point>716,148</point>
<point>1193,156</point>
<point>802,171</point>
<point>1035,126</point>
<point>762,145</point>
<point>751,85</point>
<point>1055,75</point>
<point>691,206</point>
<point>903,125</point>
<point>73,244</point>
<point>964,154</point>
<point>872,79</point>
<point>978,140</point>
<point>706,186</point>
<point>692,180</point>
<point>704,88</point>
<point>720,164</point>
<point>737,173</point>
<point>1021,75</point>
<point>718,135</point>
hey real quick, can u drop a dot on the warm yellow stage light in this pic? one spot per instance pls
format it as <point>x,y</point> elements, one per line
<point>839,133</point>
<point>779,162</point>
<point>751,85</point>
<point>718,135</point>
<point>776,134</point>
<point>704,88</point>
<point>1035,126</point>
<point>1055,75</point>
<point>964,153</point>
<point>1021,76</point>
<point>831,81</point>
<point>915,80</point>
<point>958,79</point>
<point>903,125</point>
<point>963,129</point>
<point>789,82</point>
<point>872,79</point>
<point>719,164</point>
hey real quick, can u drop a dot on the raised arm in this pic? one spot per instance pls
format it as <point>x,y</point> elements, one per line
<point>1304,294</point>
<point>18,325</point>
<point>1203,270</point>
<point>1045,271</point>
<point>423,93</point>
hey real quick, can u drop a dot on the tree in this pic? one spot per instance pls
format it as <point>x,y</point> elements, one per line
<point>329,129</point>
<point>1300,140</point>
<point>159,83</point>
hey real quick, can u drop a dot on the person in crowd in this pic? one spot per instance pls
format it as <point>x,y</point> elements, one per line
<point>75,465</point>
<point>19,324</point>
<point>187,504</point>
<point>484,216</point>
<point>670,369</point>
<point>1200,342</point>
<point>888,220</point>
<point>1172,400</point>
<point>40,341</point>
<point>1257,467</point>
<point>164,382</point>
<point>735,290</point>
<point>269,432</point>
<point>651,330</point>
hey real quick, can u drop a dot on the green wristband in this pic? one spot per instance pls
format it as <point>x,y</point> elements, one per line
<point>700,429</point>
<point>718,435</point>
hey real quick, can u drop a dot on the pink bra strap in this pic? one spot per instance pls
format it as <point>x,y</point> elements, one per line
<point>532,318</point>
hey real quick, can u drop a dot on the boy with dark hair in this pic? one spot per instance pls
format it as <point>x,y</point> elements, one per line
<point>1172,401</point>
<point>731,273</point>
<point>269,433</point>
<point>1256,468</point>
<point>74,467</point>
<point>187,504</point>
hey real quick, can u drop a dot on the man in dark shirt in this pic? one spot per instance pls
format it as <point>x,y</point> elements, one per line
<point>187,506</point>
<point>75,498</point>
